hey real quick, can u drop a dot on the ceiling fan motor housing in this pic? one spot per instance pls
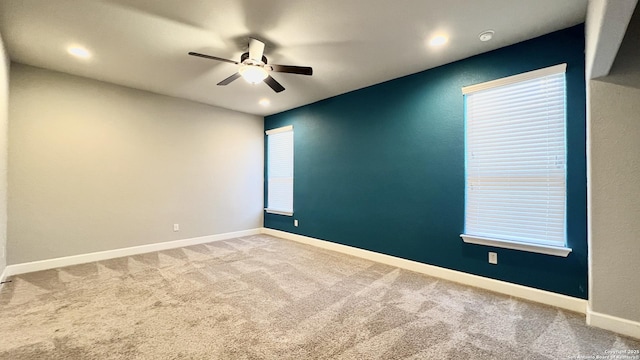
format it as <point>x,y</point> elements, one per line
<point>245,56</point>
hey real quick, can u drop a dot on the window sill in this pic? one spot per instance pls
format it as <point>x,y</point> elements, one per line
<point>279,212</point>
<point>514,245</point>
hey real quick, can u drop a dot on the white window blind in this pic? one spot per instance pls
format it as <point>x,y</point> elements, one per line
<point>280,170</point>
<point>515,159</point>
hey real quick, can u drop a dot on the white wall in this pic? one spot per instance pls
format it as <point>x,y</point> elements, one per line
<point>614,186</point>
<point>4,117</point>
<point>95,166</point>
<point>615,200</point>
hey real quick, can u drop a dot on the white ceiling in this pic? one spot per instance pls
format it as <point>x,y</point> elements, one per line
<point>350,44</point>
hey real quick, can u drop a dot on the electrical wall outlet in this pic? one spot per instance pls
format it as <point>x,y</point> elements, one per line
<point>295,223</point>
<point>493,258</point>
<point>176,227</point>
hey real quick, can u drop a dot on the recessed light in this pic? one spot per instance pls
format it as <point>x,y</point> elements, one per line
<point>438,40</point>
<point>264,102</point>
<point>78,51</point>
<point>486,35</point>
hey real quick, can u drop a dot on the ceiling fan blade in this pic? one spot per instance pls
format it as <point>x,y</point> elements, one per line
<point>273,84</point>
<point>228,80</point>
<point>301,70</point>
<point>212,57</point>
<point>256,49</point>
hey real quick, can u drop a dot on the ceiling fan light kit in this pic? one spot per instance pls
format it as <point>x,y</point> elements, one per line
<point>254,69</point>
<point>253,74</point>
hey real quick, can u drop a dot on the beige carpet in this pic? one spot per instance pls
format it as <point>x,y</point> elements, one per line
<point>261,297</point>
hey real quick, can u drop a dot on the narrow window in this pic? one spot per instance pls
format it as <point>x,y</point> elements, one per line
<point>515,162</point>
<point>280,171</point>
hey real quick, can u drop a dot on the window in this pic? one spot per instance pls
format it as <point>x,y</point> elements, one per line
<point>515,162</point>
<point>280,171</point>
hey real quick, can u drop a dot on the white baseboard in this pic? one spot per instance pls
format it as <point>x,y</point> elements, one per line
<point>116,253</point>
<point>503,287</point>
<point>3,276</point>
<point>613,323</point>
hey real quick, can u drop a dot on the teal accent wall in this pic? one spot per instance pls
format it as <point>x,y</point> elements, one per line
<point>382,168</point>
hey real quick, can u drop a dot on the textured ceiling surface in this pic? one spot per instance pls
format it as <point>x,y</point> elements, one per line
<point>350,44</point>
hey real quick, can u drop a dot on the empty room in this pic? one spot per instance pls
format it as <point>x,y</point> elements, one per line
<point>287,179</point>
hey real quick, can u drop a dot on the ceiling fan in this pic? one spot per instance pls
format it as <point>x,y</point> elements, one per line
<point>254,67</point>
